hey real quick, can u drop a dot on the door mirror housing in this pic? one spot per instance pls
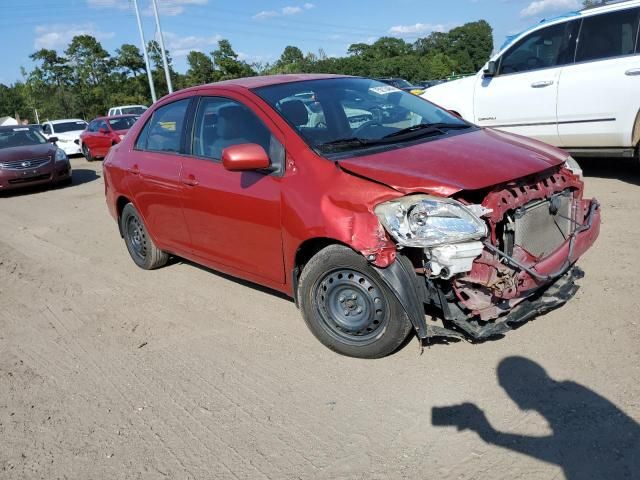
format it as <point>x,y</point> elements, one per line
<point>491,70</point>
<point>53,139</point>
<point>246,156</point>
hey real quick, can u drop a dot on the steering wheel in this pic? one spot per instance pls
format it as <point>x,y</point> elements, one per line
<point>366,125</point>
<point>533,62</point>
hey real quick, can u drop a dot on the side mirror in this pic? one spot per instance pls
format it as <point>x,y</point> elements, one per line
<point>104,131</point>
<point>491,70</point>
<point>246,156</point>
<point>53,139</point>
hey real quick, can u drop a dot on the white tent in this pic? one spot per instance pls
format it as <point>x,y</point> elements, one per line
<point>8,121</point>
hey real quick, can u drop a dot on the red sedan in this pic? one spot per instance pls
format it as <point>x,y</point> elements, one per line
<point>365,225</point>
<point>104,132</point>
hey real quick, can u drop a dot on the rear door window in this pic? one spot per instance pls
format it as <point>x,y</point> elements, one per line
<point>608,35</point>
<point>549,47</point>
<point>163,131</point>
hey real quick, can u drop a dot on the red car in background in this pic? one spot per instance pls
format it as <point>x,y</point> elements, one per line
<point>363,225</point>
<point>104,132</point>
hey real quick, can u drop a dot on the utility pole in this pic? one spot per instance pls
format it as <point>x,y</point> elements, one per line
<point>164,55</point>
<point>144,53</point>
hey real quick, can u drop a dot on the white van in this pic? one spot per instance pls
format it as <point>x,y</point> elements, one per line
<point>573,82</point>
<point>126,110</point>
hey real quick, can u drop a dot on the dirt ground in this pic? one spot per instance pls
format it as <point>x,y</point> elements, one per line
<point>108,371</point>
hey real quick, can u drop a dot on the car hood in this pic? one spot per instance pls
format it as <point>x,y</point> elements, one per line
<point>466,161</point>
<point>26,153</point>
<point>454,88</point>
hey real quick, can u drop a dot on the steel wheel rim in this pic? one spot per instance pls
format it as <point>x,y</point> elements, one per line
<point>351,306</point>
<point>136,237</point>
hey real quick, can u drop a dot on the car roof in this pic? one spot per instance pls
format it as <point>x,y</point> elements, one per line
<point>124,115</point>
<point>6,128</point>
<point>266,80</point>
<point>585,12</point>
<point>64,120</point>
<point>128,106</point>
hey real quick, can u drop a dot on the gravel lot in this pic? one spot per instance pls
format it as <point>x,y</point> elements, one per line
<point>108,371</point>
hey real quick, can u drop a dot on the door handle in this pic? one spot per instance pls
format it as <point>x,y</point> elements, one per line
<point>542,84</point>
<point>135,170</point>
<point>189,180</point>
<point>632,72</point>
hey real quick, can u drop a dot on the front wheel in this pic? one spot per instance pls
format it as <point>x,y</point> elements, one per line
<point>87,153</point>
<point>141,248</point>
<point>347,306</point>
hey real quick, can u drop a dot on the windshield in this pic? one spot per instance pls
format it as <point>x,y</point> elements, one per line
<point>20,137</point>
<point>122,123</point>
<point>400,83</point>
<point>133,110</point>
<point>69,126</point>
<point>341,114</point>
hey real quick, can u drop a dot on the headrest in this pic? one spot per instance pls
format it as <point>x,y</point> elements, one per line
<point>295,112</point>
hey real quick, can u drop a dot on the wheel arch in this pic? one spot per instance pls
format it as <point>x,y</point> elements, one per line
<point>635,133</point>
<point>121,202</point>
<point>305,252</point>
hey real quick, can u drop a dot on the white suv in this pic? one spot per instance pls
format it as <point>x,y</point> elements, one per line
<point>127,109</point>
<point>573,82</point>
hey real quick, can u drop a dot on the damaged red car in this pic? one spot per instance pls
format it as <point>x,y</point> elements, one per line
<point>370,221</point>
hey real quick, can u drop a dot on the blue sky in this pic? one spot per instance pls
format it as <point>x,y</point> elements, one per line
<point>258,29</point>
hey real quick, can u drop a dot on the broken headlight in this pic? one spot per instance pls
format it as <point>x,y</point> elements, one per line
<point>426,221</point>
<point>571,164</point>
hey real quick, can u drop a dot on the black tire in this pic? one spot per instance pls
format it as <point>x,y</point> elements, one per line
<point>348,307</point>
<point>87,153</point>
<point>136,237</point>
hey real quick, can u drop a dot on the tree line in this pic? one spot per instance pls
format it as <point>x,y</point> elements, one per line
<point>85,80</point>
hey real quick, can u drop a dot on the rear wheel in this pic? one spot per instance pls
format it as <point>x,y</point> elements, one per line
<point>141,248</point>
<point>348,307</point>
<point>87,153</point>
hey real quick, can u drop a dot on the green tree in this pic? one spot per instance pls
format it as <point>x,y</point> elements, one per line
<point>292,60</point>
<point>201,69</point>
<point>129,58</point>
<point>91,65</point>
<point>227,64</point>
<point>48,85</point>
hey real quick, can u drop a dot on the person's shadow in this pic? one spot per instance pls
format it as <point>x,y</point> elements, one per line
<point>592,438</point>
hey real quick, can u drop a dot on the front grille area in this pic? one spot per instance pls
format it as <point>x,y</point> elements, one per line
<point>541,226</point>
<point>46,176</point>
<point>25,164</point>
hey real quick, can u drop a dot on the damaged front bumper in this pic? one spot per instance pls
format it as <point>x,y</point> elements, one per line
<point>547,285</point>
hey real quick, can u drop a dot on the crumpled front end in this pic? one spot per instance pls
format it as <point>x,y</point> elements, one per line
<point>537,230</point>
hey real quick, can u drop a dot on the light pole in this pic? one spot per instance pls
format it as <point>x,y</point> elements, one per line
<point>164,55</point>
<point>144,53</point>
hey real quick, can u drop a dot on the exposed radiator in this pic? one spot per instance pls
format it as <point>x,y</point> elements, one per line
<point>540,227</point>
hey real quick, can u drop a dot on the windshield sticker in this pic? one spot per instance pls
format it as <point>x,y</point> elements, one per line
<point>384,89</point>
<point>22,129</point>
